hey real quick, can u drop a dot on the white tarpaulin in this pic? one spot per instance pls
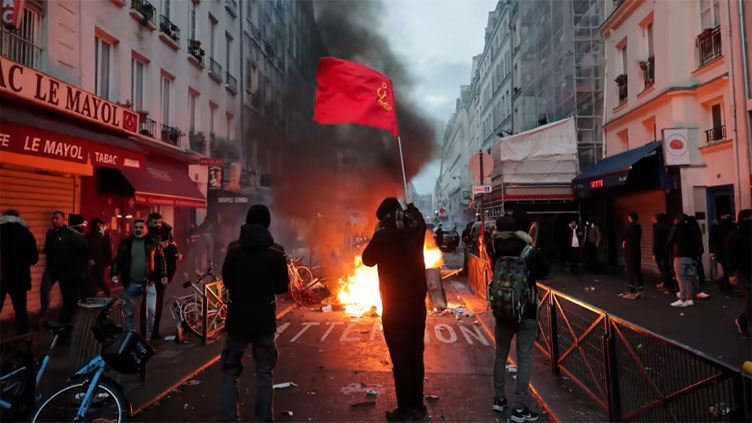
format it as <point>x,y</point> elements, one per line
<point>544,155</point>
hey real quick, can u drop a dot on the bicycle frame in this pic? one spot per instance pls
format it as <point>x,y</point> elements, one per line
<point>96,367</point>
<point>4,404</point>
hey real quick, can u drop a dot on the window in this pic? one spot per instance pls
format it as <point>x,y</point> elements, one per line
<point>165,93</point>
<point>229,126</point>
<point>192,110</point>
<point>213,26</point>
<point>624,139</point>
<point>212,116</point>
<point>101,68</point>
<point>710,12</point>
<point>649,31</point>
<point>624,62</point>
<point>192,23</point>
<point>166,8</point>
<point>715,112</point>
<point>137,84</point>
<point>228,52</point>
<point>24,45</point>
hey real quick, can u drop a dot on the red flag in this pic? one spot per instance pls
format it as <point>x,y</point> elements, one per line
<point>349,92</point>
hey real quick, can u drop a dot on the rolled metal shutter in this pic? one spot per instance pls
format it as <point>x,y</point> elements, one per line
<point>646,204</point>
<point>36,195</point>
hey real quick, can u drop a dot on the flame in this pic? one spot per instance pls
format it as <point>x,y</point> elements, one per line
<point>359,291</point>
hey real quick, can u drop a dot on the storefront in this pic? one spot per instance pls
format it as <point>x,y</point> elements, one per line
<point>633,181</point>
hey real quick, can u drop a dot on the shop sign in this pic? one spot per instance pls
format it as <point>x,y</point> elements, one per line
<point>211,162</point>
<point>11,12</point>
<point>598,183</point>
<point>676,146</point>
<point>230,199</point>
<point>482,189</point>
<point>22,139</point>
<point>165,200</point>
<point>39,88</point>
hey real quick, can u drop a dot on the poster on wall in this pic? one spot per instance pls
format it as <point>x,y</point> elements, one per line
<point>676,146</point>
<point>215,172</point>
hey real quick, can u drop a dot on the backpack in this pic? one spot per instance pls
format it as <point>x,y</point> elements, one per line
<point>509,294</point>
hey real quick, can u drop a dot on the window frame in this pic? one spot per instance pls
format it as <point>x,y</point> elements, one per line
<point>135,64</point>
<point>165,85</point>
<point>99,67</point>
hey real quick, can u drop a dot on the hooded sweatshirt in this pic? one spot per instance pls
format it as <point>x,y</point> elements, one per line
<point>254,271</point>
<point>18,251</point>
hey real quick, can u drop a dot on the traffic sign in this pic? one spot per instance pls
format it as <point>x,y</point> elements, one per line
<point>482,161</point>
<point>481,189</point>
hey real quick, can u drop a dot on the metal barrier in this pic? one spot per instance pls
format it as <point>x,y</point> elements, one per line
<point>630,372</point>
<point>214,310</point>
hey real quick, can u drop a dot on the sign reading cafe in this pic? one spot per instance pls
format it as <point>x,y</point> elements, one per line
<point>39,88</point>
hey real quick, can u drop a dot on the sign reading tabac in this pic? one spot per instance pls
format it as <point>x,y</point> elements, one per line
<point>11,13</point>
<point>29,84</point>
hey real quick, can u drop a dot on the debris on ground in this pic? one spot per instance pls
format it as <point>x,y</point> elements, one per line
<point>327,309</point>
<point>285,385</point>
<point>589,288</point>
<point>363,403</point>
<point>372,312</point>
<point>311,392</point>
<point>287,413</point>
<point>432,397</point>
<point>372,393</point>
<point>511,368</point>
<point>192,382</point>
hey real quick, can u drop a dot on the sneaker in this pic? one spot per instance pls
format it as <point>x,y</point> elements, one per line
<point>703,296</point>
<point>501,404</point>
<point>690,303</point>
<point>521,415</point>
<point>679,303</point>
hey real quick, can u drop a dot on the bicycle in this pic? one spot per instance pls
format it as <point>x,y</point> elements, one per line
<point>89,395</point>
<point>188,309</point>
<point>301,278</point>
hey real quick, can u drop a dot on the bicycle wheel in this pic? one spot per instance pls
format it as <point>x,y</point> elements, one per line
<point>191,313</point>
<point>306,276</point>
<point>108,402</point>
<point>296,289</point>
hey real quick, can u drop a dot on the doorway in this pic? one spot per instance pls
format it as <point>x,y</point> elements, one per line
<point>720,202</point>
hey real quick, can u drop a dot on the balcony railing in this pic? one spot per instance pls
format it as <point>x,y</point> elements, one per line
<point>171,135</point>
<point>709,43</point>
<point>716,134</point>
<point>232,83</point>
<point>169,28</point>
<point>147,127</point>
<point>17,48</point>
<point>215,69</point>
<point>195,50</point>
<point>232,7</point>
<point>145,9</point>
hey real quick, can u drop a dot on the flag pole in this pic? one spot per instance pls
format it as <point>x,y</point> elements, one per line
<point>402,162</point>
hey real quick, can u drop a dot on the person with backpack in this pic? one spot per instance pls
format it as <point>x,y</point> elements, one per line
<point>512,295</point>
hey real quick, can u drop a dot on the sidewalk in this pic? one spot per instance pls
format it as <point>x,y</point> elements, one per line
<point>708,326</point>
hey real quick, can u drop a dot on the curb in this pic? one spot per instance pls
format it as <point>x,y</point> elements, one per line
<point>195,372</point>
<point>534,391</point>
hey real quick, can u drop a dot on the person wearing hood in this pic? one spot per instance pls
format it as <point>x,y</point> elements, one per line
<point>509,240</point>
<point>160,233</point>
<point>254,271</point>
<point>101,253</point>
<point>662,251</point>
<point>739,248</point>
<point>397,249</point>
<point>18,252</point>
<point>73,261</point>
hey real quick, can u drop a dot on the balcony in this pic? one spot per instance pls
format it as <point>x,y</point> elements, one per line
<point>715,134</point>
<point>648,71</point>
<point>215,70</point>
<point>196,52</point>
<point>709,43</point>
<point>231,83</point>
<point>22,50</point>
<point>171,135</point>
<point>147,127</point>
<point>170,30</point>
<point>232,7</point>
<point>143,11</point>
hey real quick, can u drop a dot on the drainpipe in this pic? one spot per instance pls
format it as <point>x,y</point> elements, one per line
<point>738,187</point>
<point>745,67</point>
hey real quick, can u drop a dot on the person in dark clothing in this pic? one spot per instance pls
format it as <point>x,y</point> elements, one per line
<point>254,271</point>
<point>631,240</point>
<point>101,252</point>
<point>161,234</point>
<point>51,245</point>
<point>439,236</point>
<point>18,252</point>
<point>507,240</point>
<point>684,248</point>
<point>397,248</point>
<point>694,227</point>
<point>73,261</point>
<point>592,240</point>
<point>717,246</point>
<point>739,249</point>
<point>662,251</point>
<point>575,241</point>
<point>140,265</point>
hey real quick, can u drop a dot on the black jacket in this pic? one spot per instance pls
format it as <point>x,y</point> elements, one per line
<point>18,252</point>
<point>51,242</point>
<point>694,229</point>
<point>717,240</point>
<point>739,248</point>
<point>169,247</point>
<point>156,267</point>
<point>661,232</point>
<point>512,244</point>
<point>632,237</point>
<point>73,255</point>
<point>254,271</point>
<point>398,252</point>
<point>101,248</point>
<point>684,242</point>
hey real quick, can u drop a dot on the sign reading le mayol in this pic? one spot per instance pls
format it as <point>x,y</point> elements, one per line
<point>39,88</point>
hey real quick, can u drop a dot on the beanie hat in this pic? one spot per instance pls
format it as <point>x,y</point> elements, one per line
<point>259,214</point>
<point>389,205</point>
<point>75,220</point>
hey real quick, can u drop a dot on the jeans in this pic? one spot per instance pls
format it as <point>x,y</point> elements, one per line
<point>686,273</point>
<point>18,298</point>
<point>664,266</point>
<point>526,332</point>
<point>265,358</point>
<point>634,273</point>
<point>136,289</point>
<point>404,322</point>
<point>158,309</point>
<point>44,290</point>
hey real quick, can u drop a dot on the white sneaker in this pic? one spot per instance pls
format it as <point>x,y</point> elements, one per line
<point>690,303</point>
<point>703,296</point>
<point>679,303</point>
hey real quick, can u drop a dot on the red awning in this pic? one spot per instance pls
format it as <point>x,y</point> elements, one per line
<point>42,134</point>
<point>165,182</point>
